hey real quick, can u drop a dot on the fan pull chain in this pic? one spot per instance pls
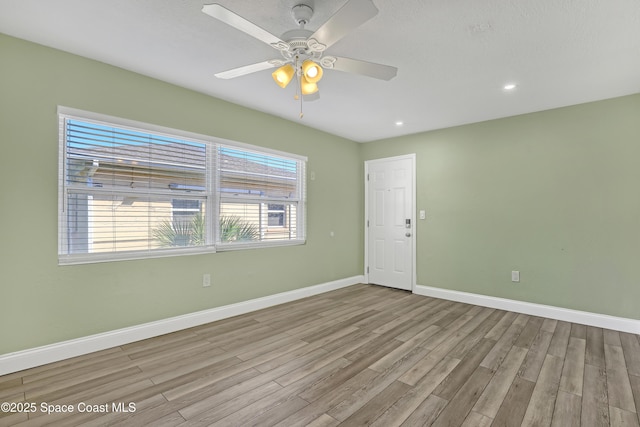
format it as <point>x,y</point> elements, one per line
<point>301,114</point>
<point>295,64</point>
<point>298,94</point>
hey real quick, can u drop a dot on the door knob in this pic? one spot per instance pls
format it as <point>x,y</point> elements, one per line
<point>407,234</point>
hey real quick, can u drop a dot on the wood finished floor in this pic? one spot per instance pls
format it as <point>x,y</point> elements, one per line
<point>362,355</point>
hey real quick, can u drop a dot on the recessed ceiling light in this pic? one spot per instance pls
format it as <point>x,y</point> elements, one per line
<point>510,86</point>
<point>399,123</point>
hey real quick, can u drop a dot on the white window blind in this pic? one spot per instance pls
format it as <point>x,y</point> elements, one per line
<point>129,192</point>
<point>122,187</point>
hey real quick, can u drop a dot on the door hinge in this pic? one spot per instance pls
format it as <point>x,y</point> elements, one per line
<point>367,223</point>
<point>367,177</point>
<point>367,270</point>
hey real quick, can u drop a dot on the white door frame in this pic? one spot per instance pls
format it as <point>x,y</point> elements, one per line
<point>366,215</point>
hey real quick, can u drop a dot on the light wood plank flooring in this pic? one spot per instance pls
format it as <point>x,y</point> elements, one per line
<point>362,355</point>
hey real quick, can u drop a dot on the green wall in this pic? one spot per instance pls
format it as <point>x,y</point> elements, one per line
<point>43,303</point>
<point>553,194</point>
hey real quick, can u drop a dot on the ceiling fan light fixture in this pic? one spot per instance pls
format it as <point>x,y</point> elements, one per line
<point>283,75</point>
<point>311,71</point>
<point>307,87</point>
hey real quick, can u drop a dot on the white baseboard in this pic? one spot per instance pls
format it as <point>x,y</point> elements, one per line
<point>25,359</point>
<point>575,316</point>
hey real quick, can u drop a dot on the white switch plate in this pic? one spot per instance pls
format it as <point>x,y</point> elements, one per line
<point>206,280</point>
<point>515,276</point>
<point>423,214</point>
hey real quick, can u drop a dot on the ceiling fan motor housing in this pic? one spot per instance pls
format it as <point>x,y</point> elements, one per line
<point>302,14</point>
<point>299,45</point>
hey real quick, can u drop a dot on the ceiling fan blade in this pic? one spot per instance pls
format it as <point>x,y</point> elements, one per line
<point>247,69</point>
<point>371,69</point>
<point>353,14</point>
<point>238,22</point>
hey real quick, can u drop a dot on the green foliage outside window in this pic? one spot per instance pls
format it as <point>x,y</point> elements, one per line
<point>180,233</point>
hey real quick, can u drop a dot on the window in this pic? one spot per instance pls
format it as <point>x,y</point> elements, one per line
<point>253,188</point>
<point>276,215</point>
<point>185,210</point>
<point>129,190</point>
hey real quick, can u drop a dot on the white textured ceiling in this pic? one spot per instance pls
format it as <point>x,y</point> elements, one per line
<point>453,56</point>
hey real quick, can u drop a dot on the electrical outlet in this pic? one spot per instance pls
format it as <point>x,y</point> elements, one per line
<point>206,280</point>
<point>515,276</point>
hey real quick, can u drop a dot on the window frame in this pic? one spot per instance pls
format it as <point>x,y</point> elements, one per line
<point>212,200</point>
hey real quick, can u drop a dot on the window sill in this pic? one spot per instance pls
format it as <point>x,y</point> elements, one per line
<point>132,256</point>
<point>165,253</point>
<point>240,246</point>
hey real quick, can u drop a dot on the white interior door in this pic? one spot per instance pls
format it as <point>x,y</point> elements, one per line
<point>390,221</point>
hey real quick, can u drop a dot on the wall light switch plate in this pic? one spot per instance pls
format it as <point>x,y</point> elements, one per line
<point>515,276</point>
<point>423,214</point>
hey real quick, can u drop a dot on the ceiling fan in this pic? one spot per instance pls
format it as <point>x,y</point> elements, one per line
<point>302,50</point>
